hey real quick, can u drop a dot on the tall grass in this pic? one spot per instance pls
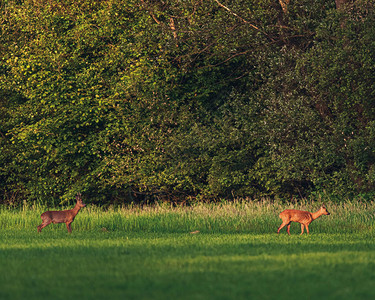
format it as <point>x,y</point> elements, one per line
<point>148,253</point>
<point>242,215</point>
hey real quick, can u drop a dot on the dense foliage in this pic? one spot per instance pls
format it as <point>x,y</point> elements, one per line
<point>175,100</point>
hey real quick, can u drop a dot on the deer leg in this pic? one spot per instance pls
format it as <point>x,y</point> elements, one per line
<point>69,227</point>
<point>307,228</point>
<point>302,228</point>
<point>44,224</point>
<point>281,226</point>
<point>288,228</point>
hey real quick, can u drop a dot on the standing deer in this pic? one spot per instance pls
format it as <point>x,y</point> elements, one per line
<point>64,216</point>
<point>303,217</point>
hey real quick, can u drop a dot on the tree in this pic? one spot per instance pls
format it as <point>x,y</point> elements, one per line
<point>321,109</point>
<point>143,100</point>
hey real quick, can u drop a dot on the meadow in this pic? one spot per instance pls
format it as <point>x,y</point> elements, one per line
<point>151,253</point>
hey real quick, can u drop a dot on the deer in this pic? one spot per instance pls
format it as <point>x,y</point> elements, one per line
<point>303,217</point>
<point>63,216</point>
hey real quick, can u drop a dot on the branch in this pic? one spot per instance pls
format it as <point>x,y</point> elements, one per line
<point>284,5</point>
<point>171,21</point>
<point>173,28</point>
<point>242,19</point>
<point>216,40</point>
<point>151,13</point>
<point>234,14</point>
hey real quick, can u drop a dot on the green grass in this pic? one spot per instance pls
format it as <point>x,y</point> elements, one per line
<point>134,253</point>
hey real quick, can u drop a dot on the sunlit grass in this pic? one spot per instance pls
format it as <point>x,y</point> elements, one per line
<point>135,265</point>
<point>237,216</point>
<point>148,252</point>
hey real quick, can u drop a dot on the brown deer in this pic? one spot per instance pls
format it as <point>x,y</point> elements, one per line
<point>303,217</point>
<point>64,216</point>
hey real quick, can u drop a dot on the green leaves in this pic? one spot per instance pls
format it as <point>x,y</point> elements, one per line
<point>142,100</point>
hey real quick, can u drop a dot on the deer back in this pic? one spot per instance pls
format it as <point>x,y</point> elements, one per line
<point>293,215</point>
<point>59,216</point>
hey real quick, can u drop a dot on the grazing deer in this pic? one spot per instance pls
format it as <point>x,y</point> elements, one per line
<point>64,216</point>
<point>303,217</point>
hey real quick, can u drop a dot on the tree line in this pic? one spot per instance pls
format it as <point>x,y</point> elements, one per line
<point>172,100</point>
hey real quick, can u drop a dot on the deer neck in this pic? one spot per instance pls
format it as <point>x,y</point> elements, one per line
<point>76,209</point>
<point>316,215</point>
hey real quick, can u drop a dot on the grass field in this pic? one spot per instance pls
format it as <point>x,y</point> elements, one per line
<point>149,253</point>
